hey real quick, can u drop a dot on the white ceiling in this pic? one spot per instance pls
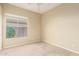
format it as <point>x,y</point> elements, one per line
<point>37,7</point>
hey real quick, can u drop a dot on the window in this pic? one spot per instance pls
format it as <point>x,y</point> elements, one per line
<point>16,26</point>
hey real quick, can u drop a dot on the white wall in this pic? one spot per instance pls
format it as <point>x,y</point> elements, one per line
<point>33,26</point>
<point>61,26</point>
<point>0,27</point>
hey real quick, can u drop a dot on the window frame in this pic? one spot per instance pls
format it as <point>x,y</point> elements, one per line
<point>16,16</point>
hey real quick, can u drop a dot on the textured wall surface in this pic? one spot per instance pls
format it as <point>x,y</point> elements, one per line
<point>60,26</point>
<point>0,27</point>
<point>33,26</point>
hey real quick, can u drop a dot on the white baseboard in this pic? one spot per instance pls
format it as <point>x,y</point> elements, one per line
<point>60,46</point>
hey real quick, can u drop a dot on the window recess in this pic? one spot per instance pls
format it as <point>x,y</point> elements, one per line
<point>16,26</point>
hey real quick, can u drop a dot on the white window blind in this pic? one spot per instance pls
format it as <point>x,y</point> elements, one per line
<point>16,26</point>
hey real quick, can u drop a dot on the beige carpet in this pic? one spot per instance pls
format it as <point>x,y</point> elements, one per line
<point>37,49</point>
